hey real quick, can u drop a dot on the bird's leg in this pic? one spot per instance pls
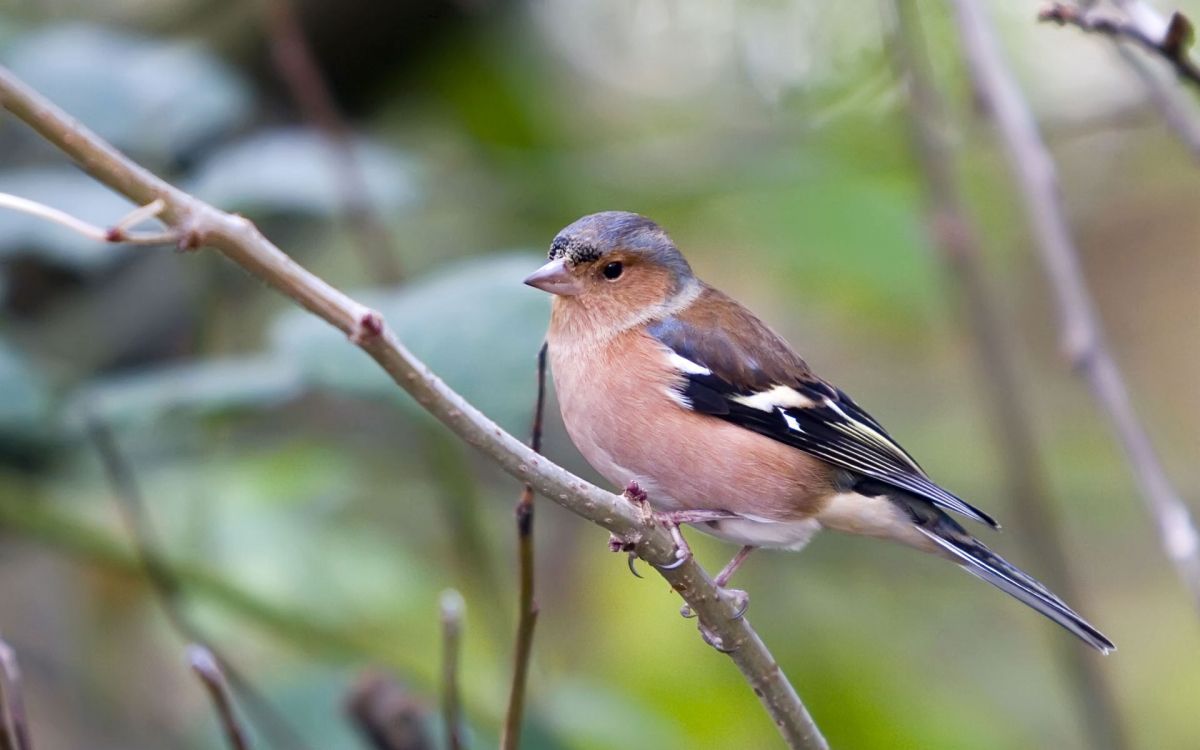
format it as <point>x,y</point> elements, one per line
<point>727,572</point>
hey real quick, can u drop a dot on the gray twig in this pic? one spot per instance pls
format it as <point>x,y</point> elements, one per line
<point>452,610</point>
<point>955,235</point>
<point>1083,341</point>
<point>14,726</point>
<point>204,664</point>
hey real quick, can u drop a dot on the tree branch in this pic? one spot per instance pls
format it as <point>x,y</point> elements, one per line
<point>955,235</point>
<point>240,241</point>
<point>452,607</point>
<point>1171,45</point>
<point>131,507</point>
<point>1082,338</point>
<point>205,665</point>
<point>527,609</point>
<point>14,727</point>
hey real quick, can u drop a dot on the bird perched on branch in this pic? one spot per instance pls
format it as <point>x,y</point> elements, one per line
<point>667,384</point>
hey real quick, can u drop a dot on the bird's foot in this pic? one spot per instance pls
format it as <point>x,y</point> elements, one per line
<point>618,544</point>
<point>715,640</point>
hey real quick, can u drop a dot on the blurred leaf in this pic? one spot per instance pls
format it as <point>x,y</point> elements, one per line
<point>598,716</point>
<point>474,323</point>
<point>68,190</point>
<point>155,99</point>
<point>204,387</point>
<point>293,170</point>
<point>24,403</point>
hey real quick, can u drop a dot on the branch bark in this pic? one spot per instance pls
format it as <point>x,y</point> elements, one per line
<point>1083,341</point>
<point>200,224</point>
<point>527,609</point>
<point>955,235</point>
<point>205,666</point>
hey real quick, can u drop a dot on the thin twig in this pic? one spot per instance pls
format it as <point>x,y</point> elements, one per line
<point>1082,337</point>
<point>387,715</point>
<point>165,584</point>
<point>452,610</point>
<point>118,232</point>
<point>1171,45</point>
<point>527,609</point>
<point>297,66</point>
<point>14,726</point>
<point>240,241</point>
<point>958,242</point>
<point>206,667</point>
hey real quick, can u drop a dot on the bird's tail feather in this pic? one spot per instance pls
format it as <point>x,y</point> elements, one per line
<point>974,557</point>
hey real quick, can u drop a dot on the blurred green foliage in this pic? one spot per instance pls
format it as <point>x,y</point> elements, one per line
<point>314,513</point>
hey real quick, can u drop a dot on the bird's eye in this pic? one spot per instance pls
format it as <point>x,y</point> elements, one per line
<point>613,270</point>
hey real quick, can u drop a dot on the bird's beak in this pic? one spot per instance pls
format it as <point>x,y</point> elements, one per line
<point>556,278</point>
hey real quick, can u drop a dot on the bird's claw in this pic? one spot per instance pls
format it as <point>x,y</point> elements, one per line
<point>740,599</point>
<point>618,544</point>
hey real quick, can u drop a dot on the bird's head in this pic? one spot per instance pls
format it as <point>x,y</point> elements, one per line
<point>614,266</point>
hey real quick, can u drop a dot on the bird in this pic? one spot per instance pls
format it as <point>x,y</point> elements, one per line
<point>671,388</point>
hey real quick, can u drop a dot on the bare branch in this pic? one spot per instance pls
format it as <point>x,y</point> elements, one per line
<point>239,241</point>
<point>386,714</point>
<point>132,508</point>
<point>14,727</point>
<point>302,75</point>
<point>955,235</point>
<point>527,609</point>
<point>452,609</point>
<point>1082,338</point>
<point>205,665</point>
<point>1172,45</point>
<point>118,232</point>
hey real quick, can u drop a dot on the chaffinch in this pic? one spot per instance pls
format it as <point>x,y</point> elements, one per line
<point>669,384</point>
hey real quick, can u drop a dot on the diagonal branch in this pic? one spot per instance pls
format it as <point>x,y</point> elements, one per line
<point>527,612</point>
<point>240,241</point>
<point>1083,341</point>
<point>957,238</point>
<point>1171,44</point>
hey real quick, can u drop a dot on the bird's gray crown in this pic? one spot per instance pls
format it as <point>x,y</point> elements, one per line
<point>596,234</point>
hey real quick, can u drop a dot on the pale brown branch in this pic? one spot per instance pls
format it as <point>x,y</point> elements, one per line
<point>241,242</point>
<point>205,666</point>
<point>956,237</point>
<point>527,609</point>
<point>452,611</point>
<point>14,727</point>
<point>1083,341</point>
<point>118,233</point>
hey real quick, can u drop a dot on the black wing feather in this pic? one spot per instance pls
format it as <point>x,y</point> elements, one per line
<point>830,426</point>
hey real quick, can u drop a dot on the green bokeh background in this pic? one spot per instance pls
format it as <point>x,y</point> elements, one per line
<point>316,514</point>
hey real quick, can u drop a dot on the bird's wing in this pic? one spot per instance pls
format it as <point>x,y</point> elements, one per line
<point>735,368</point>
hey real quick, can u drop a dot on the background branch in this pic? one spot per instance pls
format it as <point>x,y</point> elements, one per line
<point>240,241</point>
<point>204,664</point>
<point>386,714</point>
<point>1171,44</point>
<point>14,727</point>
<point>1082,338</point>
<point>957,240</point>
<point>452,607</point>
<point>527,609</point>
<point>166,585</point>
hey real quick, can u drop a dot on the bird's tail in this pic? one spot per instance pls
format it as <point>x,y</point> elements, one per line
<point>974,557</point>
